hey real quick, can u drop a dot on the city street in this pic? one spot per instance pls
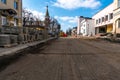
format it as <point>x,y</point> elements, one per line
<point>68,59</point>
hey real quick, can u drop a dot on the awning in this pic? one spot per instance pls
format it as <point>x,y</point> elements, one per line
<point>8,12</point>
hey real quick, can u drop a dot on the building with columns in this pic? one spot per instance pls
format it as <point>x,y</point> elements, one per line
<point>103,20</point>
<point>116,17</point>
<point>106,20</point>
<point>10,13</point>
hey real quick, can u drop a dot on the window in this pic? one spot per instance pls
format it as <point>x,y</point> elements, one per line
<point>15,5</point>
<point>106,18</point>
<point>99,20</point>
<point>118,23</point>
<point>103,19</point>
<point>84,31</point>
<point>84,25</point>
<point>111,15</point>
<point>118,3</point>
<point>96,21</point>
<point>4,20</point>
<point>3,1</point>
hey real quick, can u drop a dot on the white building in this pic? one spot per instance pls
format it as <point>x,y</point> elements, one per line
<point>116,17</point>
<point>79,25</point>
<point>87,27</point>
<point>104,20</point>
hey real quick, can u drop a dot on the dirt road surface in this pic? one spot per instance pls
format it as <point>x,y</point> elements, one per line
<point>68,59</point>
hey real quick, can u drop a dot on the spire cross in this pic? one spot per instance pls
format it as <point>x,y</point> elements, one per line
<point>47,6</point>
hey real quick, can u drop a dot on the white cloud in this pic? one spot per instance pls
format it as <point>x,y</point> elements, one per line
<point>37,14</point>
<point>68,19</point>
<point>64,26</point>
<point>74,4</point>
<point>67,22</point>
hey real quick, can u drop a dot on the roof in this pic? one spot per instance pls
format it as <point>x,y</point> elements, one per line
<point>47,12</point>
<point>85,17</point>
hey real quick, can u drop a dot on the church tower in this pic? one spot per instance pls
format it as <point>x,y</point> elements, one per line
<point>47,17</point>
<point>47,13</point>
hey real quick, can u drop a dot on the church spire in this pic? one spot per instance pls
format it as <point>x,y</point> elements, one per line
<point>47,13</point>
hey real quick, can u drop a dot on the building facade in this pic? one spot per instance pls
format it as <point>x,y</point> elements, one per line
<point>87,27</point>
<point>116,17</point>
<point>79,25</point>
<point>10,13</point>
<point>104,20</point>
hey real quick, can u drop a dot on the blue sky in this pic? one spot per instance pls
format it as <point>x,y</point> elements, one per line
<point>66,11</point>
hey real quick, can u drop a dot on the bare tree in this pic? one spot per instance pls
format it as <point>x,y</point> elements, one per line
<point>27,17</point>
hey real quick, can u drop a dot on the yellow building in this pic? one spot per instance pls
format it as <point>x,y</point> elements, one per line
<point>104,20</point>
<point>10,13</point>
<point>116,17</point>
